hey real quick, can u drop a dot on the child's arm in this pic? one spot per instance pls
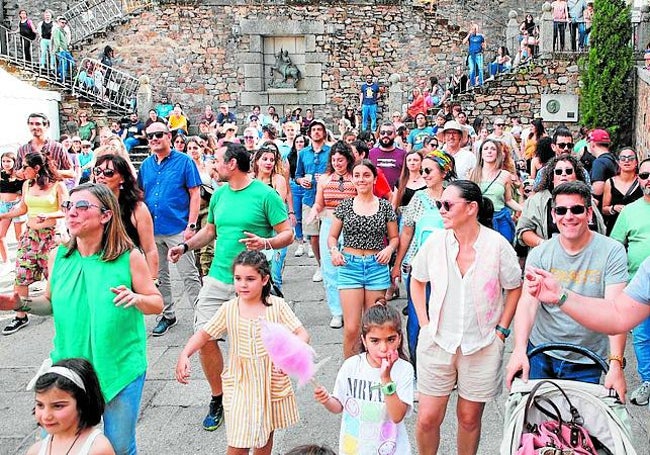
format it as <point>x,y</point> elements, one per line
<point>395,407</point>
<point>101,446</point>
<point>302,333</point>
<point>196,342</point>
<point>331,403</point>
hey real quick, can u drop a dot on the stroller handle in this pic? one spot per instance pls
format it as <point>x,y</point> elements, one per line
<point>591,355</point>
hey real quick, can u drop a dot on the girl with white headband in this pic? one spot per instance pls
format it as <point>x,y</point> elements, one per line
<point>68,406</point>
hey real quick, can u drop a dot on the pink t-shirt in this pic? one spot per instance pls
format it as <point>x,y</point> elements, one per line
<point>559,10</point>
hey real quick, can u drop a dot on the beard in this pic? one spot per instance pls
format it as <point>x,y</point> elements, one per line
<point>386,142</point>
<point>646,190</point>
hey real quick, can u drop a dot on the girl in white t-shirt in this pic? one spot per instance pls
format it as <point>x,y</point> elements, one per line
<point>374,389</point>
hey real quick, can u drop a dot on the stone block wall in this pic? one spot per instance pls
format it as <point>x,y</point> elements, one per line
<point>642,120</point>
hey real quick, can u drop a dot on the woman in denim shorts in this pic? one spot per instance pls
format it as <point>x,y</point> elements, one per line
<point>365,221</point>
<point>10,188</point>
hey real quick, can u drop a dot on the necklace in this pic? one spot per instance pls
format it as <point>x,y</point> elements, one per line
<point>69,448</point>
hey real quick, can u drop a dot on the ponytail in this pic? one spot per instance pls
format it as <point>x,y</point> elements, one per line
<point>485,212</point>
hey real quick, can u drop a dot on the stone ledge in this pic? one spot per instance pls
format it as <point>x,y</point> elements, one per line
<point>280,27</point>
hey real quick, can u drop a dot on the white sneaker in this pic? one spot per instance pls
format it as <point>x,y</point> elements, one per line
<point>336,322</point>
<point>317,276</point>
<point>310,252</point>
<point>300,250</point>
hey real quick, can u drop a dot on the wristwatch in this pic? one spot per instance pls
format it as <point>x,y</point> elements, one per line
<point>389,388</point>
<point>564,295</point>
<point>185,247</point>
<point>192,226</point>
<point>505,332</point>
<point>620,359</point>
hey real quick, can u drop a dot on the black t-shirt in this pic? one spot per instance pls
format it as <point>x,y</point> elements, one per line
<point>604,167</point>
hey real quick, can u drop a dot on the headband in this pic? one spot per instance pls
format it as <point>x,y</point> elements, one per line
<point>442,159</point>
<point>68,374</point>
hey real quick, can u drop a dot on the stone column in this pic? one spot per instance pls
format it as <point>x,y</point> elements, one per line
<point>512,33</point>
<point>395,94</point>
<point>643,29</point>
<point>144,97</point>
<point>546,32</point>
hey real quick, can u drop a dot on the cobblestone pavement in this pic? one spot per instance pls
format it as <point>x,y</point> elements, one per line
<point>171,414</point>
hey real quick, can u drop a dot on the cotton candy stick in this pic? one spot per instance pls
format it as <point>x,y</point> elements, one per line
<point>288,352</point>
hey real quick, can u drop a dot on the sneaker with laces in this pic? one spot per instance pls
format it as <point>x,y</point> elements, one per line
<point>310,252</point>
<point>317,277</point>
<point>300,250</point>
<point>163,326</point>
<point>641,396</point>
<point>15,325</point>
<point>214,419</point>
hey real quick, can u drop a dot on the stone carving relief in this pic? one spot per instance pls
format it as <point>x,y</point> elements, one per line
<point>284,74</point>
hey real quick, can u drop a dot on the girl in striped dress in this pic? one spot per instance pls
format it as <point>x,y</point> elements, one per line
<point>257,397</point>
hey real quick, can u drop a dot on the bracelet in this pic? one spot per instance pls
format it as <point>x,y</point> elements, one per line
<point>22,304</point>
<point>292,213</point>
<point>334,249</point>
<point>504,331</point>
<point>267,244</point>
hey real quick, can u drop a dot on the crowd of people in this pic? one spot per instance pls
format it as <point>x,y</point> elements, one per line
<point>456,215</point>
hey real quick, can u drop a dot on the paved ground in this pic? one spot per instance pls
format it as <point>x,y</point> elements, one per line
<point>171,413</point>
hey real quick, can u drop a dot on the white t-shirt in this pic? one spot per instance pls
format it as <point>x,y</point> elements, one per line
<point>366,428</point>
<point>464,161</point>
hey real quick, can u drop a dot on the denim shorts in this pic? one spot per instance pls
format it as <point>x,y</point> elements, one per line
<point>363,272</point>
<point>5,207</point>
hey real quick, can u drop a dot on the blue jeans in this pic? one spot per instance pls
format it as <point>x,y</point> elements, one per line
<point>496,68</point>
<point>297,193</point>
<point>329,271</point>
<point>544,366</point>
<point>369,111</point>
<point>121,416</point>
<point>277,266</point>
<point>475,63</point>
<point>65,62</point>
<point>412,323</point>
<point>642,349</point>
<point>131,142</point>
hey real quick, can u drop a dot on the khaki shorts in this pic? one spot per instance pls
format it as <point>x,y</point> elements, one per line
<point>312,228</point>
<point>479,376</point>
<point>213,294</point>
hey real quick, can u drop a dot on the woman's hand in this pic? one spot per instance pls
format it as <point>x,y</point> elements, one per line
<point>337,258</point>
<point>183,369</point>
<point>125,297</point>
<point>383,257</point>
<point>396,274</point>
<point>292,220</point>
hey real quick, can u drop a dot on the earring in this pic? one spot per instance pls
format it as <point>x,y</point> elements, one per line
<point>121,185</point>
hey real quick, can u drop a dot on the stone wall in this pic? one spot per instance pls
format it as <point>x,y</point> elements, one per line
<point>642,120</point>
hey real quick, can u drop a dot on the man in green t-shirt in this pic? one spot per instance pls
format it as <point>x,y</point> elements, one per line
<point>243,214</point>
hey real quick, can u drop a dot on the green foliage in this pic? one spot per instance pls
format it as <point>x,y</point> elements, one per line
<point>607,96</point>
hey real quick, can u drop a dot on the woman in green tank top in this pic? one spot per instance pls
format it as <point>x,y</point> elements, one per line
<point>99,289</point>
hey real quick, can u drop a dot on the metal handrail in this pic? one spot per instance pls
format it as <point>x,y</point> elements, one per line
<point>106,85</point>
<point>85,18</point>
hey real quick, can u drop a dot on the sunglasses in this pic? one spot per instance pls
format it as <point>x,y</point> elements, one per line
<point>627,158</point>
<point>575,209</point>
<point>499,124</point>
<point>107,172</point>
<point>644,175</point>
<point>385,133</point>
<point>564,145</point>
<point>81,205</point>
<point>426,170</point>
<point>157,135</point>
<point>567,171</point>
<point>448,205</point>
<point>249,137</point>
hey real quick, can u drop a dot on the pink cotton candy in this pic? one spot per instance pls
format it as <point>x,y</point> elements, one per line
<point>288,352</point>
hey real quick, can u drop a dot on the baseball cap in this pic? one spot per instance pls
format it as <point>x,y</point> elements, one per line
<point>599,136</point>
<point>316,122</point>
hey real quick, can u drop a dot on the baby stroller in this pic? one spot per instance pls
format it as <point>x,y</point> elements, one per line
<point>596,408</point>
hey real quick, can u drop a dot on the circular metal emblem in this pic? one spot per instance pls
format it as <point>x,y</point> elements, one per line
<point>553,106</point>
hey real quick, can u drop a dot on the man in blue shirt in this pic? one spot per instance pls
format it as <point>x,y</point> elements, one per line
<point>171,182</point>
<point>418,135</point>
<point>368,103</point>
<point>312,162</point>
<point>164,108</point>
<point>476,43</point>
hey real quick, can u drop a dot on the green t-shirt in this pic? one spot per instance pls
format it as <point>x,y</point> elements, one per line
<point>632,229</point>
<point>88,324</point>
<point>256,209</point>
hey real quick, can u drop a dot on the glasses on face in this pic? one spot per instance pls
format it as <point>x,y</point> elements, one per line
<point>567,171</point>
<point>385,132</point>
<point>447,205</point>
<point>107,172</point>
<point>81,205</point>
<point>500,124</point>
<point>426,170</point>
<point>627,158</point>
<point>249,138</point>
<point>157,135</point>
<point>564,145</point>
<point>575,209</point>
<point>644,175</point>
<point>85,146</point>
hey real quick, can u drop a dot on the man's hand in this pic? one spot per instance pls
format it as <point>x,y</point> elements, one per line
<point>542,285</point>
<point>518,363</point>
<point>175,253</point>
<point>615,379</point>
<point>254,242</point>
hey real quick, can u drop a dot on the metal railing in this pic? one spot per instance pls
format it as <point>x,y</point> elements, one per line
<point>106,85</point>
<point>87,17</point>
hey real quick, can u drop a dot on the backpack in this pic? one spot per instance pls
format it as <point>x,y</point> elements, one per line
<point>429,221</point>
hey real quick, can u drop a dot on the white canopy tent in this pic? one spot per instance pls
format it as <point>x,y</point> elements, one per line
<point>19,99</point>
